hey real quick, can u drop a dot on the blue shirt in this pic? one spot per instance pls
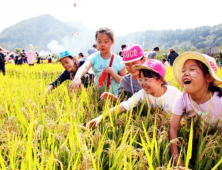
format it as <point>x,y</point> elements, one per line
<point>98,65</point>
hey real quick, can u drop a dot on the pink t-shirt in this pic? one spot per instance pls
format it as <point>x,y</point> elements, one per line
<point>183,105</point>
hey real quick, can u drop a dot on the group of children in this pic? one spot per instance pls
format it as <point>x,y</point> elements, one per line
<point>194,72</point>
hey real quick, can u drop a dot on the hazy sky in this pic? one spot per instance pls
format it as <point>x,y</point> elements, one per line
<point>122,16</point>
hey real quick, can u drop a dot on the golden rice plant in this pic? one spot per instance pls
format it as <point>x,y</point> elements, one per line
<point>48,132</point>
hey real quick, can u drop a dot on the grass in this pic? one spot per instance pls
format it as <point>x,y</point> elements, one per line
<point>49,133</point>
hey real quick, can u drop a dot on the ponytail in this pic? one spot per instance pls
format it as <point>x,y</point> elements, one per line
<point>213,89</point>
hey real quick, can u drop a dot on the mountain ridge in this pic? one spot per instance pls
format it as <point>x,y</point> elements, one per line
<point>42,30</point>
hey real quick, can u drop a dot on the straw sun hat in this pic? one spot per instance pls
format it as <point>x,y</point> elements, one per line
<point>207,60</point>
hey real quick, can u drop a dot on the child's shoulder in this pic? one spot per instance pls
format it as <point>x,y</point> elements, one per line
<point>95,54</point>
<point>184,96</point>
<point>125,79</point>
<point>95,57</point>
<point>117,57</point>
<point>216,96</point>
<point>117,61</point>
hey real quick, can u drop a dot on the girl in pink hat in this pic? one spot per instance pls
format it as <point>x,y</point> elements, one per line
<point>202,96</point>
<point>129,85</point>
<point>155,91</point>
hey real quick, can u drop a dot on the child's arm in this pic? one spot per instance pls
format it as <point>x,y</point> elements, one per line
<point>174,126</point>
<point>107,95</point>
<point>64,76</point>
<point>49,89</point>
<point>118,76</point>
<point>126,105</point>
<point>76,83</point>
<point>98,119</point>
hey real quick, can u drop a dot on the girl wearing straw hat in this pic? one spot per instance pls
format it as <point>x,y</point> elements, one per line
<point>202,96</point>
<point>155,91</point>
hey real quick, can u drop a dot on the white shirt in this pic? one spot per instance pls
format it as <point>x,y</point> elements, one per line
<point>166,101</point>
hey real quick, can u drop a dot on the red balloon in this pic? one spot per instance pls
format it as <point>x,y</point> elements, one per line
<point>77,33</point>
<point>74,5</point>
<point>72,33</point>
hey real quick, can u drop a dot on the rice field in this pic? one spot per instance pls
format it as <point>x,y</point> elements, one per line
<point>48,132</point>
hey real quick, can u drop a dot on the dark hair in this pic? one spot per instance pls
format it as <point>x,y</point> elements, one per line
<point>205,70</point>
<point>106,31</point>
<point>70,57</point>
<point>81,54</point>
<point>164,59</point>
<point>94,45</point>
<point>22,55</point>
<point>156,49</point>
<point>123,46</point>
<point>151,74</point>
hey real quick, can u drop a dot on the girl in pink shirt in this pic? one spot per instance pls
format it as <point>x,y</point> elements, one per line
<point>202,96</point>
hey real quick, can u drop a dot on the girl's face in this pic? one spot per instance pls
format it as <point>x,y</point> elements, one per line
<point>193,78</point>
<point>131,70</point>
<point>68,64</point>
<point>150,85</point>
<point>104,43</point>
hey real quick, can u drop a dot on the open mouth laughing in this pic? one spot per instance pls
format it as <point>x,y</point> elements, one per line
<point>186,81</point>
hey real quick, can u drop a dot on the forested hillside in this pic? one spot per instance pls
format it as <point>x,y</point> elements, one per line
<point>40,31</point>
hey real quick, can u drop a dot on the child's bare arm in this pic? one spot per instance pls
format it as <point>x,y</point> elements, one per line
<point>118,76</point>
<point>49,89</point>
<point>174,126</point>
<point>98,119</point>
<point>107,95</point>
<point>76,83</point>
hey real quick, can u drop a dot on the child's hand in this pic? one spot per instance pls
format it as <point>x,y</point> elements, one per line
<point>106,95</point>
<point>94,121</point>
<point>109,70</point>
<point>75,85</point>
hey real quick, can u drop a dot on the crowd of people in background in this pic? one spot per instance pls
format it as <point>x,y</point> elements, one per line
<point>21,57</point>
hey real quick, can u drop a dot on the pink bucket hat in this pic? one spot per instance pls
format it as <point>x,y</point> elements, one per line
<point>153,65</point>
<point>131,53</point>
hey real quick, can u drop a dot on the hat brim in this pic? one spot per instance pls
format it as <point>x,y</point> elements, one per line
<point>179,62</point>
<point>59,60</point>
<point>131,60</point>
<point>140,67</point>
